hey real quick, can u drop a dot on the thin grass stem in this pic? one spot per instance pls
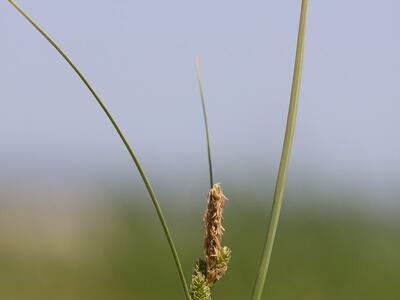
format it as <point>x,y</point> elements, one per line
<point>125,142</point>
<point>203,104</point>
<point>287,145</point>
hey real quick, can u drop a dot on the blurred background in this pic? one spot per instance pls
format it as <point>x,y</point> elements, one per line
<point>75,219</point>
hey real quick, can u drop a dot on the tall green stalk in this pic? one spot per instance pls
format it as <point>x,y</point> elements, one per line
<point>287,145</point>
<point>203,105</point>
<point>125,142</point>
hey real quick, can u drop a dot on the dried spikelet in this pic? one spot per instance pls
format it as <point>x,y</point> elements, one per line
<point>213,230</point>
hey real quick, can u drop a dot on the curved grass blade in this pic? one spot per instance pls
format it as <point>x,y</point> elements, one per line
<point>203,104</point>
<point>287,145</point>
<point>125,142</point>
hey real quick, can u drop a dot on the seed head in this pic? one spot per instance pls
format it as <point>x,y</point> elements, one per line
<point>213,230</point>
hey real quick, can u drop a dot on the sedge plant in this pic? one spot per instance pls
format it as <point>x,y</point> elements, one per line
<point>210,269</point>
<point>213,266</point>
<point>283,166</point>
<point>132,154</point>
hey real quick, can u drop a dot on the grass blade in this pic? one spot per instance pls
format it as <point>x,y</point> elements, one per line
<point>125,142</point>
<point>203,104</point>
<point>287,145</point>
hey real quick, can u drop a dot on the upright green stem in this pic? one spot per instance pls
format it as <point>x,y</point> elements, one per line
<point>287,145</point>
<point>203,104</point>
<point>128,147</point>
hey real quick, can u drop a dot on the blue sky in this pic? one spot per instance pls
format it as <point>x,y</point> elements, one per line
<point>139,56</point>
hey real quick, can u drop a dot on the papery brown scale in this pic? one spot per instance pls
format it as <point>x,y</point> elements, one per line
<point>213,229</point>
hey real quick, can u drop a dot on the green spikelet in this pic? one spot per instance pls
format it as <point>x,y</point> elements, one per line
<point>200,288</point>
<point>223,257</point>
<point>220,265</point>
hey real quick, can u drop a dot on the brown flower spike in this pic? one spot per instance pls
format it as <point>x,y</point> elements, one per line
<point>209,270</point>
<point>213,231</point>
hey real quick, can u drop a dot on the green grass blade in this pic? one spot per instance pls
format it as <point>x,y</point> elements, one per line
<point>128,147</point>
<point>203,104</point>
<point>287,145</point>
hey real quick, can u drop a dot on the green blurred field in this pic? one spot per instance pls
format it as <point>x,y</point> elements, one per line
<point>103,251</point>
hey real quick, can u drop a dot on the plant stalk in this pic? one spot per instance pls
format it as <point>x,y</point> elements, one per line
<point>203,104</point>
<point>287,145</point>
<point>125,142</point>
